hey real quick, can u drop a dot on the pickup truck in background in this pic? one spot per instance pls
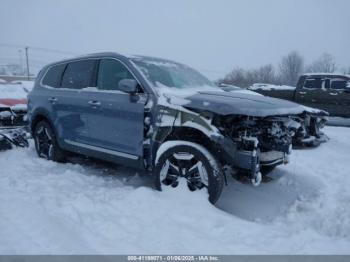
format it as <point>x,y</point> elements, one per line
<point>329,92</point>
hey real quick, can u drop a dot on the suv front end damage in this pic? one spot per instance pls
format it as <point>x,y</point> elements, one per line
<point>244,144</point>
<point>259,142</point>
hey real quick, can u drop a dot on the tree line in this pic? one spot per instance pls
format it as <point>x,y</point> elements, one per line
<point>288,71</point>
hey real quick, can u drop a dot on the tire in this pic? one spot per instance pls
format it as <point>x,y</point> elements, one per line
<point>191,161</point>
<point>46,143</point>
<point>265,170</point>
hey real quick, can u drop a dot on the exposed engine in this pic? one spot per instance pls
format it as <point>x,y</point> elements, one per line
<point>272,133</point>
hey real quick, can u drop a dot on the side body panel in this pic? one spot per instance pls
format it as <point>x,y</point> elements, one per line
<point>118,122</point>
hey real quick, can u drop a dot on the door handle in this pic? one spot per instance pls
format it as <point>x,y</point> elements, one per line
<point>94,103</point>
<point>52,99</point>
<point>302,93</point>
<point>333,94</point>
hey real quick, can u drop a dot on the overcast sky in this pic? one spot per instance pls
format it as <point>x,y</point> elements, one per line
<point>212,36</point>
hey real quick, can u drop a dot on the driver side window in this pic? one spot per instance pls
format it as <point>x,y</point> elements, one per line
<point>313,83</point>
<point>110,72</point>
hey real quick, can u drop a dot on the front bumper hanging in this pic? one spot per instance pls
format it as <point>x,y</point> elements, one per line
<point>13,137</point>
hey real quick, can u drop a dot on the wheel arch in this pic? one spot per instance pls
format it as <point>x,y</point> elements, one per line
<point>40,115</point>
<point>189,134</point>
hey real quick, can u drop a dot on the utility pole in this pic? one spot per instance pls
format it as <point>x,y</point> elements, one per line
<point>27,60</point>
<point>21,60</point>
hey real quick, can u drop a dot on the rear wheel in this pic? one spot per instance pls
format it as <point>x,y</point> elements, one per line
<point>46,144</point>
<point>191,161</point>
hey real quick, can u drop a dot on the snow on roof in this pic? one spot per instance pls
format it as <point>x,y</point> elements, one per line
<point>325,74</point>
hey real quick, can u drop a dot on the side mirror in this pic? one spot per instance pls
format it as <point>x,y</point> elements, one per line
<point>128,85</point>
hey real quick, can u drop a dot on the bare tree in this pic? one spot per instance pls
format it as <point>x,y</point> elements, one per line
<point>266,74</point>
<point>324,64</point>
<point>236,77</point>
<point>245,78</point>
<point>291,67</point>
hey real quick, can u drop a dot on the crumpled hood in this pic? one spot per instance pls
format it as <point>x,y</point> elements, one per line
<point>226,103</point>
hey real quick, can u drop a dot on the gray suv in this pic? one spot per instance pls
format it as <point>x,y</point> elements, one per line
<point>160,116</point>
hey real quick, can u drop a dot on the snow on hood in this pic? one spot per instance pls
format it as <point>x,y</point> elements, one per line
<point>15,94</point>
<point>270,87</point>
<point>13,91</point>
<point>236,89</point>
<point>225,103</point>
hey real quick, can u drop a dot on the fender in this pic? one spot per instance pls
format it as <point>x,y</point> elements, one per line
<point>37,115</point>
<point>176,123</point>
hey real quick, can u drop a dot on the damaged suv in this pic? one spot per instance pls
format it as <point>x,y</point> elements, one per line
<point>160,116</point>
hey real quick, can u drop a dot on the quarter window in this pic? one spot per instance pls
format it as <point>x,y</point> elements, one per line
<point>78,74</point>
<point>110,73</point>
<point>53,76</point>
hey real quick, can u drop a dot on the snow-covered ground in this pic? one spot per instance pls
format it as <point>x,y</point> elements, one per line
<point>93,207</point>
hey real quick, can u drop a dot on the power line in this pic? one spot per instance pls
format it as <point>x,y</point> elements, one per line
<point>38,48</point>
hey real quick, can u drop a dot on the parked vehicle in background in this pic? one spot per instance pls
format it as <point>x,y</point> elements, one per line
<point>13,105</point>
<point>13,113</point>
<point>161,116</point>
<point>329,92</point>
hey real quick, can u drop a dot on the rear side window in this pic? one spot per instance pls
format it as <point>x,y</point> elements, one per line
<point>339,83</point>
<point>78,74</point>
<point>110,73</point>
<point>53,76</point>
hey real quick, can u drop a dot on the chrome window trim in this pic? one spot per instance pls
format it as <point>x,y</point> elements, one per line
<point>101,149</point>
<point>60,63</point>
<point>99,90</point>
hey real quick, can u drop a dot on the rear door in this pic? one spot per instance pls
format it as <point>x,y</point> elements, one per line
<point>116,118</point>
<point>314,93</point>
<point>71,103</point>
<point>339,96</point>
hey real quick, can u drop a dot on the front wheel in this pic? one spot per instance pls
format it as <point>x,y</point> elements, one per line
<point>191,161</point>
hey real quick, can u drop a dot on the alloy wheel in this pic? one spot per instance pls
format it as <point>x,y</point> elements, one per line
<point>44,143</point>
<point>184,165</point>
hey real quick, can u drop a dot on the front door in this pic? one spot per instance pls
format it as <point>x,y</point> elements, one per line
<point>116,118</point>
<point>314,93</point>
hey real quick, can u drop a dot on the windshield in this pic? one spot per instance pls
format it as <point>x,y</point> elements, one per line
<point>170,74</point>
